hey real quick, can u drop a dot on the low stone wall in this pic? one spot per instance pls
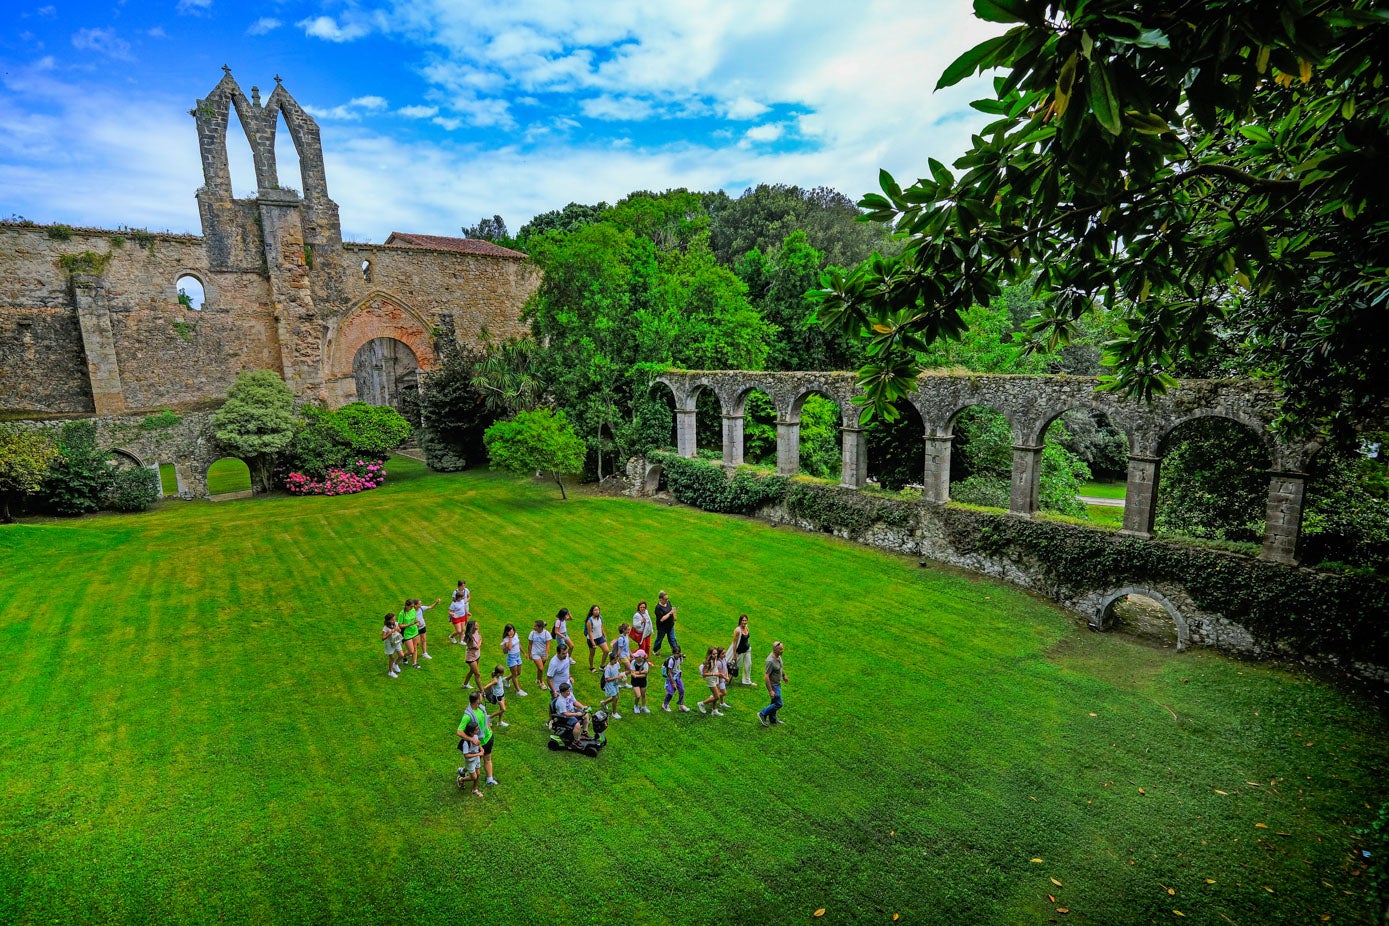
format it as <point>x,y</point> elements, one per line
<point>187,444</point>
<point>1234,603</point>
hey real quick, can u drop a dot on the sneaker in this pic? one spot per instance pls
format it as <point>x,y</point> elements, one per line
<point>520,693</point>
<point>763,720</point>
<point>617,716</point>
<point>684,708</point>
<point>503,723</point>
<point>468,687</point>
<point>717,713</point>
<point>491,781</point>
<point>460,773</point>
<point>666,708</point>
<point>418,666</point>
<point>701,708</point>
<point>391,675</point>
<point>427,656</point>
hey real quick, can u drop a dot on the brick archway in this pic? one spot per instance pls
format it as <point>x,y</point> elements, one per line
<point>376,316</point>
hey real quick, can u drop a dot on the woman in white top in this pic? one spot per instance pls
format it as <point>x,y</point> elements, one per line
<point>641,629</point>
<point>511,648</point>
<point>561,629</point>
<point>540,651</point>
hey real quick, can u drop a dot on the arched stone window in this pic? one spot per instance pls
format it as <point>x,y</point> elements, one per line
<point>366,271</point>
<point>191,294</point>
<point>384,370</point>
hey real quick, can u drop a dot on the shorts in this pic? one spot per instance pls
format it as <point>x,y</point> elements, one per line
<point>472,764</point>
<point>458,622</point>
<point>593,644</point>
<point>639,682</point>
<point>423,628</point>
<point>610,689</point>
<point>472,655</point>
<point>487,746</point>
<point>714,683</point>
<point>513,659</point>
<point>393,648</point>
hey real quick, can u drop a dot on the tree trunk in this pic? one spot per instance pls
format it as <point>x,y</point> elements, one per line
<point>559,482</point>
<point>5,506</point>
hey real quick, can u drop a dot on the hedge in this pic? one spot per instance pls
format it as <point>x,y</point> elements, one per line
<point>1284,607</point>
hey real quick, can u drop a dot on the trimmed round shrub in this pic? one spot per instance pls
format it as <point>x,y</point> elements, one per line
<point>134,488</point>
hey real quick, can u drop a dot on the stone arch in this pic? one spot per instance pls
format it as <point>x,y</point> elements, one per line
<point>307,141</point>
<point>852,454</point>
<point>212,115</point>
<point>376,315</point>
<point>1259,428</point>
<point>1098,619</point>
<point>651,479</point>
<point>228,482</point>
<point>384,370</point>
<point>128,456</point>
<point>738,405</point>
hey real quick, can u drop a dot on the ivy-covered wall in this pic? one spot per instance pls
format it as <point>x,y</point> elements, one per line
<point>1230,601</point>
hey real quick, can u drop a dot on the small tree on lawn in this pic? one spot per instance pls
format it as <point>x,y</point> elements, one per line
<point>256,422</point>
<point>539,441</point>
<point>25,457</point>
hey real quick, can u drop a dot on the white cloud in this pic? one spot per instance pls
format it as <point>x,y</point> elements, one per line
<point>103,42</point>
<point>157,33</point>
<point>743,108</point>
<point>263,25</point>
<point>351,110</point>
<point>769,132</point>
<point>193,6</point>
<point>417,112</point>
<point>327,28</point>
<point>616,109</point>
<point>46,11</point>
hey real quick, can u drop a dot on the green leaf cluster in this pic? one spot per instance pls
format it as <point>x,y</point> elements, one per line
<point>709,487</point>
<point>80,478</point>
<point>536,441</point>
<point>25,458</point>
<point>1208,174</point>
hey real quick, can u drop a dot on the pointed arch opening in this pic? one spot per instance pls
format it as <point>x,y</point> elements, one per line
<point>241,163</point>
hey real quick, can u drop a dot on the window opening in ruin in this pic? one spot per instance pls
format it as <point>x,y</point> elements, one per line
<point>241,166</point>
<point>981,458</point>
<point>1213,481</point>
<point>1085,468</point>
<point>168,479</point>
<point>228,475</point>
<point>287,169</point>
<point>759,429</point>
<point>385,370</point>
<point>897,449</point>
<point>821,445</point>
<point>708,424</point>
<point>190,292</point>
<point>366,271</point>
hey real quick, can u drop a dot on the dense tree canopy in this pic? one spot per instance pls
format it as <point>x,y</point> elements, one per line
<point>1210,173</point>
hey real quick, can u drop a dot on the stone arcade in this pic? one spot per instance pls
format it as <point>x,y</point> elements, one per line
<point>92,325</point>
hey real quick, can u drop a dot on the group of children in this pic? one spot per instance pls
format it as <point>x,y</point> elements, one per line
<point>625,662</point>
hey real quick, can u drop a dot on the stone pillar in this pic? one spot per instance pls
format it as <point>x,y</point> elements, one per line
<point>98,342</point>
<point>1027,468</point>
<point>732,441</point>
<point>685,432</point>
<point>853,469</point>
<point>788,447</point>
<point>1283,524</point>
<point>936,481</point>
<point>1140,498</point>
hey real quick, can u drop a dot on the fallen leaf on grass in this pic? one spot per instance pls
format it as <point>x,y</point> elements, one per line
<point>1218,791</point>
<point>1172,891</point>
<point>1178,913</point>
<point>1062,910</point>
<point>1051,897</point>
<point>1094,715</point>
<point>1267,888</point>
<point>1210,880</point>
<point>1283,834</point>
<point>1037,861</point>
<point>895,916</point>
<point>1031,798</point>
<point>820,912</point>
<point>1261,826</point>
<point>1057,883</point>
<point>1141,791</point>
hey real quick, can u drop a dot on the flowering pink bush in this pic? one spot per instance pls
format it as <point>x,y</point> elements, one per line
<point>356,477</point>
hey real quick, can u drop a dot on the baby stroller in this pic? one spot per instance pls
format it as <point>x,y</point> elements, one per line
<point>565,736</point>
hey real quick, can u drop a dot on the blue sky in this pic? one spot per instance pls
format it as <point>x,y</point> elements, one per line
<point>435,113</point>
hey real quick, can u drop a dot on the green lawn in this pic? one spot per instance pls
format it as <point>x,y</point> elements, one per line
<point>199,729</point>
<point>1106,515</point>
<point>1095,489</point>
<point>228,475</point>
